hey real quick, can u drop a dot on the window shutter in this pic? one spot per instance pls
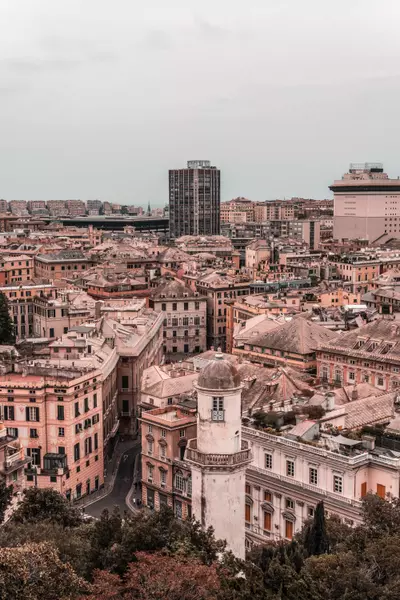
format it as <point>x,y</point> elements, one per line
<point>27,413</point>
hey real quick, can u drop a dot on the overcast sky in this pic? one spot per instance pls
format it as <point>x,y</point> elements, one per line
<point>99,98</point>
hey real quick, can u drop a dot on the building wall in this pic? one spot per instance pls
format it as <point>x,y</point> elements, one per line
<point>50,432</point>
<point>14,269</point>
<point>184,328</point>
<point>60,270</point>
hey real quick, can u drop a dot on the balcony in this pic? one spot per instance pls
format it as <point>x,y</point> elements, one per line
<point>218,460</point>
<point>15,461</point>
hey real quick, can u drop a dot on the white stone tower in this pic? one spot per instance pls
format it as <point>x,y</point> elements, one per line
<point>218,456</point>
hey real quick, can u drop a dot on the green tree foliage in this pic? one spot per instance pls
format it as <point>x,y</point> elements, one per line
<point>316,539</point>
<point>46,551</point>
<point>6,492</point>
<point>35,572</point>
<point>46,505</point>
<point>6,324</point>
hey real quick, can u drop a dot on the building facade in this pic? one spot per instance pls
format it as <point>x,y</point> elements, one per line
<point>367,204</point>
<point>194,200</point>
<point>166,477</point>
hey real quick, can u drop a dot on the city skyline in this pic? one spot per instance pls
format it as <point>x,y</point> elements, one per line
<point>100,103</point>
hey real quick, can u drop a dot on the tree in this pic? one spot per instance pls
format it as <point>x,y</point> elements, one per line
<point>35,572</point>
<point>47,505</point>
<point>159,575</point>
<point>5,499</point>
<point>6,324</point>
<point>316,539</point>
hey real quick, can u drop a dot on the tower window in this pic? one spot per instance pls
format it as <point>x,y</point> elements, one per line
<point>217,412</point>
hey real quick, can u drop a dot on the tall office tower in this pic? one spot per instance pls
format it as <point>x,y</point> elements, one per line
<point>194,199</point>
<point>366,204</point>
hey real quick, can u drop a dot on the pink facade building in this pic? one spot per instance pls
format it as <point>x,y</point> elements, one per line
<point>367,204</point>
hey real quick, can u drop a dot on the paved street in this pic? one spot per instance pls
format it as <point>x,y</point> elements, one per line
<point>122,485</point>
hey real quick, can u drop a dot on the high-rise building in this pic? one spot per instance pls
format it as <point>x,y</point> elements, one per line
<point>194,199</point>
<point>367,204</point>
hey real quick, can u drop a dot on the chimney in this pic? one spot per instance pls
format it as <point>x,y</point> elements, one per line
<point>354,392</point>
<point>329,401</point>
<point>368,442</point>
<point>300,418</point>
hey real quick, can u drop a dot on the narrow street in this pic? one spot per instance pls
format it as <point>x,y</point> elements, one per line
<point>122,485</point>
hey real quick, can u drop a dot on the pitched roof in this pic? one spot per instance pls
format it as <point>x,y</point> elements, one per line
<point>381,331</point>
<point>298,335</point>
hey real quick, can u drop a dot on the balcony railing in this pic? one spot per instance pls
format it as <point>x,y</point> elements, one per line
<point>194,455</point>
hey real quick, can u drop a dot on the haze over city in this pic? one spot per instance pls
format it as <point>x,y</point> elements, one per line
<point>99,100</point>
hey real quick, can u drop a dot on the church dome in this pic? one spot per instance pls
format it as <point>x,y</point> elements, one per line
<point>219,374</point>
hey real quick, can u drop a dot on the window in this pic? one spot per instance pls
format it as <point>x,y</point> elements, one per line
<point>247,513</point>
<point>352,376</point>
<point>363,489</point>
<point>8,413</point>
<point>163,433</point>
<point>178,509</point>
<point>380,381</point>
<point>186,306</point>
<point>247,489</point>
<point>150,469</point>
<point>380,490</point>
<point>149,447</point>
<point>163,451</point>
<point>32,413</point>
<point>338,484</point>
<point>95,419</point>
<point>33,433</point>
<point>267,497</point>
<point>88,446</point>
<point>163,478</point>
<point>197,320</point>
<point>267,521</point>
<point>289,503</point>
<point>288,530</point>
<point>185,322</point>
<point>197,305</point>
<point>34,454</point>
<point>268,461</point>
<point>77,413</point>
<point>313,473</point>
<point>77,452</point>
<point>174,306</point>
<point>12,431</point>
<point>290,468</point>
<point>163,307</point>
<point>182,433</point>
<point>150,428</point>
<point>217,413</point>
<point>169,401</point>
<point>179,482</point>
<point>125,382</point>
<point>94,400</point>
<point>86,404</point>
<point>61,431</point>
<point>60,412</point>
<point>310,511</point>
<point>96,441</point>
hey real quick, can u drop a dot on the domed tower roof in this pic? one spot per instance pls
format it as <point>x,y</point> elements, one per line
<point>219,374</point>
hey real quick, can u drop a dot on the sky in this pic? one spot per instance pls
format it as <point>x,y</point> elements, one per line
<point>98,99</point>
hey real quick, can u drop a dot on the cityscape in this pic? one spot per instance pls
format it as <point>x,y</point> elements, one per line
<point>199,301</point>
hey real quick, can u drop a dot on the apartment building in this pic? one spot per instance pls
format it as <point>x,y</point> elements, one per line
<point>53,317</point>
<point>76,208</point>
<point>57,414</point>
<point>216,287</point>
<point>367,204</point>
<point>57,208</point>
<point>258,251</point>
<point>15,269</point>
<point>287,478</point>
<point>66,264</point>
<point>293,343</point>
<point>12,461</point>
<point>3,206</point>
<point>166,477</point>
<point>369,354</point>
<point>20,303</point>
<point>185,317</point>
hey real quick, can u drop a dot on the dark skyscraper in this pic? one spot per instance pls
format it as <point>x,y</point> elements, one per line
<point>194,199</point>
